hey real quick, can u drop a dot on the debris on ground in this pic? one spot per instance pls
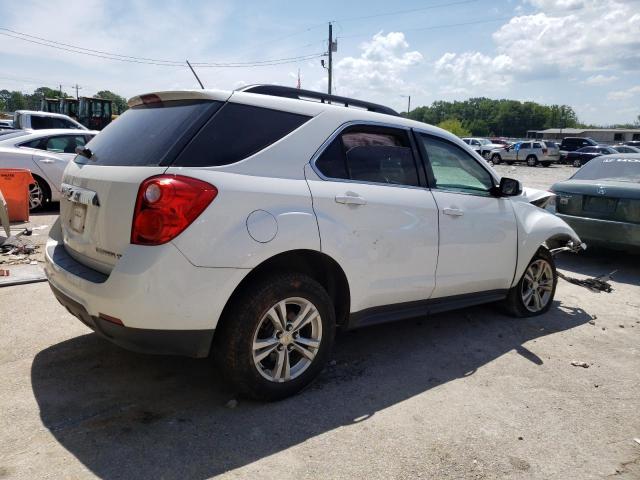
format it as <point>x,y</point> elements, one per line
<point>595,284</point>
<point>232,403</point>
<point>592,322</point>
<point>575,363</point>
<point>16,249</point>
<point>637,440</point>
<point>4,273</point>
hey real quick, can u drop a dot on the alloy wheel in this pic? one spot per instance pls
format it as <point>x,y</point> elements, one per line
<point>287,339</point>
<point>537,286</point>
<point>36,196</point>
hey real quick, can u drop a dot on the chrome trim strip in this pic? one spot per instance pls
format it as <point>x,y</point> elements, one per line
<point>79,195</point>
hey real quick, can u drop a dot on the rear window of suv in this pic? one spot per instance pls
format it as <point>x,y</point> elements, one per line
<point>148,135</point>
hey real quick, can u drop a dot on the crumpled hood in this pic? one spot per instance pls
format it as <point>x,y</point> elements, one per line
<point>531,195</point>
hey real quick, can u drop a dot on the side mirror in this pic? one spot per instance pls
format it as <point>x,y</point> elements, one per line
<point>509,187</point>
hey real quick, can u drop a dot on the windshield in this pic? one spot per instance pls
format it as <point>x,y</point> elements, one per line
<point>616,169</point>
<point>484,141</point>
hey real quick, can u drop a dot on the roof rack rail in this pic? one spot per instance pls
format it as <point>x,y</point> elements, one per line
<point>299,94</point>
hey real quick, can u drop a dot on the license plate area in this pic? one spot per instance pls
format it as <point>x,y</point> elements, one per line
<point>78,217</point>
<point>600,205</point>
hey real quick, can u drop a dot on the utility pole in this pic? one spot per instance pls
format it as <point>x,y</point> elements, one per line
<point>77,87</point>
<point>60,92</point>
<point>408,103</point>
<point>330,55</point>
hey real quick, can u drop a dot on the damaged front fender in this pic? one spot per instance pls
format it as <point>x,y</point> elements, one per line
<point>538,227</point>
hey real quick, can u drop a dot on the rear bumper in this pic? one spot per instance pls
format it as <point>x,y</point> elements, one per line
<point>190,343</point>
<point>166,304</point>
<point>604,232</point>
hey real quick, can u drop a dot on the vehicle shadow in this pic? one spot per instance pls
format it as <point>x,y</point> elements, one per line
<point>597,261</point>
<point>125,415</point>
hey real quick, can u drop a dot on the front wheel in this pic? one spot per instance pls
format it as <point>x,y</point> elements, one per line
<point>532,161</point>
<point>577,163</point>
<point>533,294</point>
<point>495,158</point>
<point>276,336</point>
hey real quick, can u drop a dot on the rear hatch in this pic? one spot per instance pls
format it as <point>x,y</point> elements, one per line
<point>603,200</point>
<point>99,192</point>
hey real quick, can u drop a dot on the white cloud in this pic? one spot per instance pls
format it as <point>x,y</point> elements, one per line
<point>624,94</point>
<point>380,69</point>
<point>565,36</point>
<point>600,79</point>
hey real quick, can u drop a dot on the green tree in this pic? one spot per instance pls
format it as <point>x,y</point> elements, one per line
<point>119,103</point>
<point>454,126</point>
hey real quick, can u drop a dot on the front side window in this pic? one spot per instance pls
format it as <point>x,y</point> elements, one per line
<point>455,170</point>
<point>370,154</point>
<point>40,123</point>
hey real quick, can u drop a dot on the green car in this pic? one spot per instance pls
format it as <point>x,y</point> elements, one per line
<point>601,201</point>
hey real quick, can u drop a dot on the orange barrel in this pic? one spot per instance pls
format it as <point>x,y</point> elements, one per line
<point>14,184</point>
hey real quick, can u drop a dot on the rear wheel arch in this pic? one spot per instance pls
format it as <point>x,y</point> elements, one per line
<point>318,266</point>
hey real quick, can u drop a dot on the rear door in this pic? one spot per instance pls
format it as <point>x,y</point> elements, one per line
<point>478,232</point>
<point>54,153</point>
<point>376,216</point>
<point>100,192</point>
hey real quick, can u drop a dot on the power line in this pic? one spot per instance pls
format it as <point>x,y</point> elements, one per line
<point>149,61</point>
<point>402,12</point>
<point>434,27</point>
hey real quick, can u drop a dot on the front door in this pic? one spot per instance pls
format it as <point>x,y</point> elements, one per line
<point>478,231</point>
<point>376,217</point>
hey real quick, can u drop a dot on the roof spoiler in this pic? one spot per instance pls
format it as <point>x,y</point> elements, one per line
<point>299,94</point>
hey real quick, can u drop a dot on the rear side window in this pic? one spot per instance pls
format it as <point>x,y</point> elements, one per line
<point>148,135</point>
<point>237,132</point>
<point>537,145</point>
<point>64,143</point>
<point>370,154</point>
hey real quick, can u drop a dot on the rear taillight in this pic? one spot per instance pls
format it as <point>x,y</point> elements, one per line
<point>166,205</point>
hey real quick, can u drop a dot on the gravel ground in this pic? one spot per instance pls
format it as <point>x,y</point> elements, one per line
<point>467,394</point>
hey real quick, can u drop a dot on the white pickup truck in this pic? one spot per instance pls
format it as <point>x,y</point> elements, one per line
<point>532,152</point>
<point>35,120</point>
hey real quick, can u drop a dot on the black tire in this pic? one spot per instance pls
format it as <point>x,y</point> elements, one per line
<point>496,159</point>
<point>514,302</point>
<point>39,194</point>
<point>532,161</point>
<point>546,164</point>
<point>233,341</point>
<point>577,163</point>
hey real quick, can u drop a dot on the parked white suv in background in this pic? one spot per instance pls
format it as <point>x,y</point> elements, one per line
<point>482,146</point>
<point>532,152</point>
<point>258,222</point>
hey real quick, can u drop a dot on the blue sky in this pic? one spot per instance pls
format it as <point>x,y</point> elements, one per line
<point>585,53</point>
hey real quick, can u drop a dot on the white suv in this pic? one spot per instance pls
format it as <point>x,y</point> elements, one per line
<point>251,224</point>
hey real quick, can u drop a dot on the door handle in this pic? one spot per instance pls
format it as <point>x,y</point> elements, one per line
<point>454,212</point>
<point>46,160</point>
<point>350,198</point>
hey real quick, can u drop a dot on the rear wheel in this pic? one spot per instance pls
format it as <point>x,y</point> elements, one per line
<point>532,161</point>
<point>277,336</point>
<point>39,194</point>
<point>496,159</point>
<point>577,163</point>
<point>533,294</point>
